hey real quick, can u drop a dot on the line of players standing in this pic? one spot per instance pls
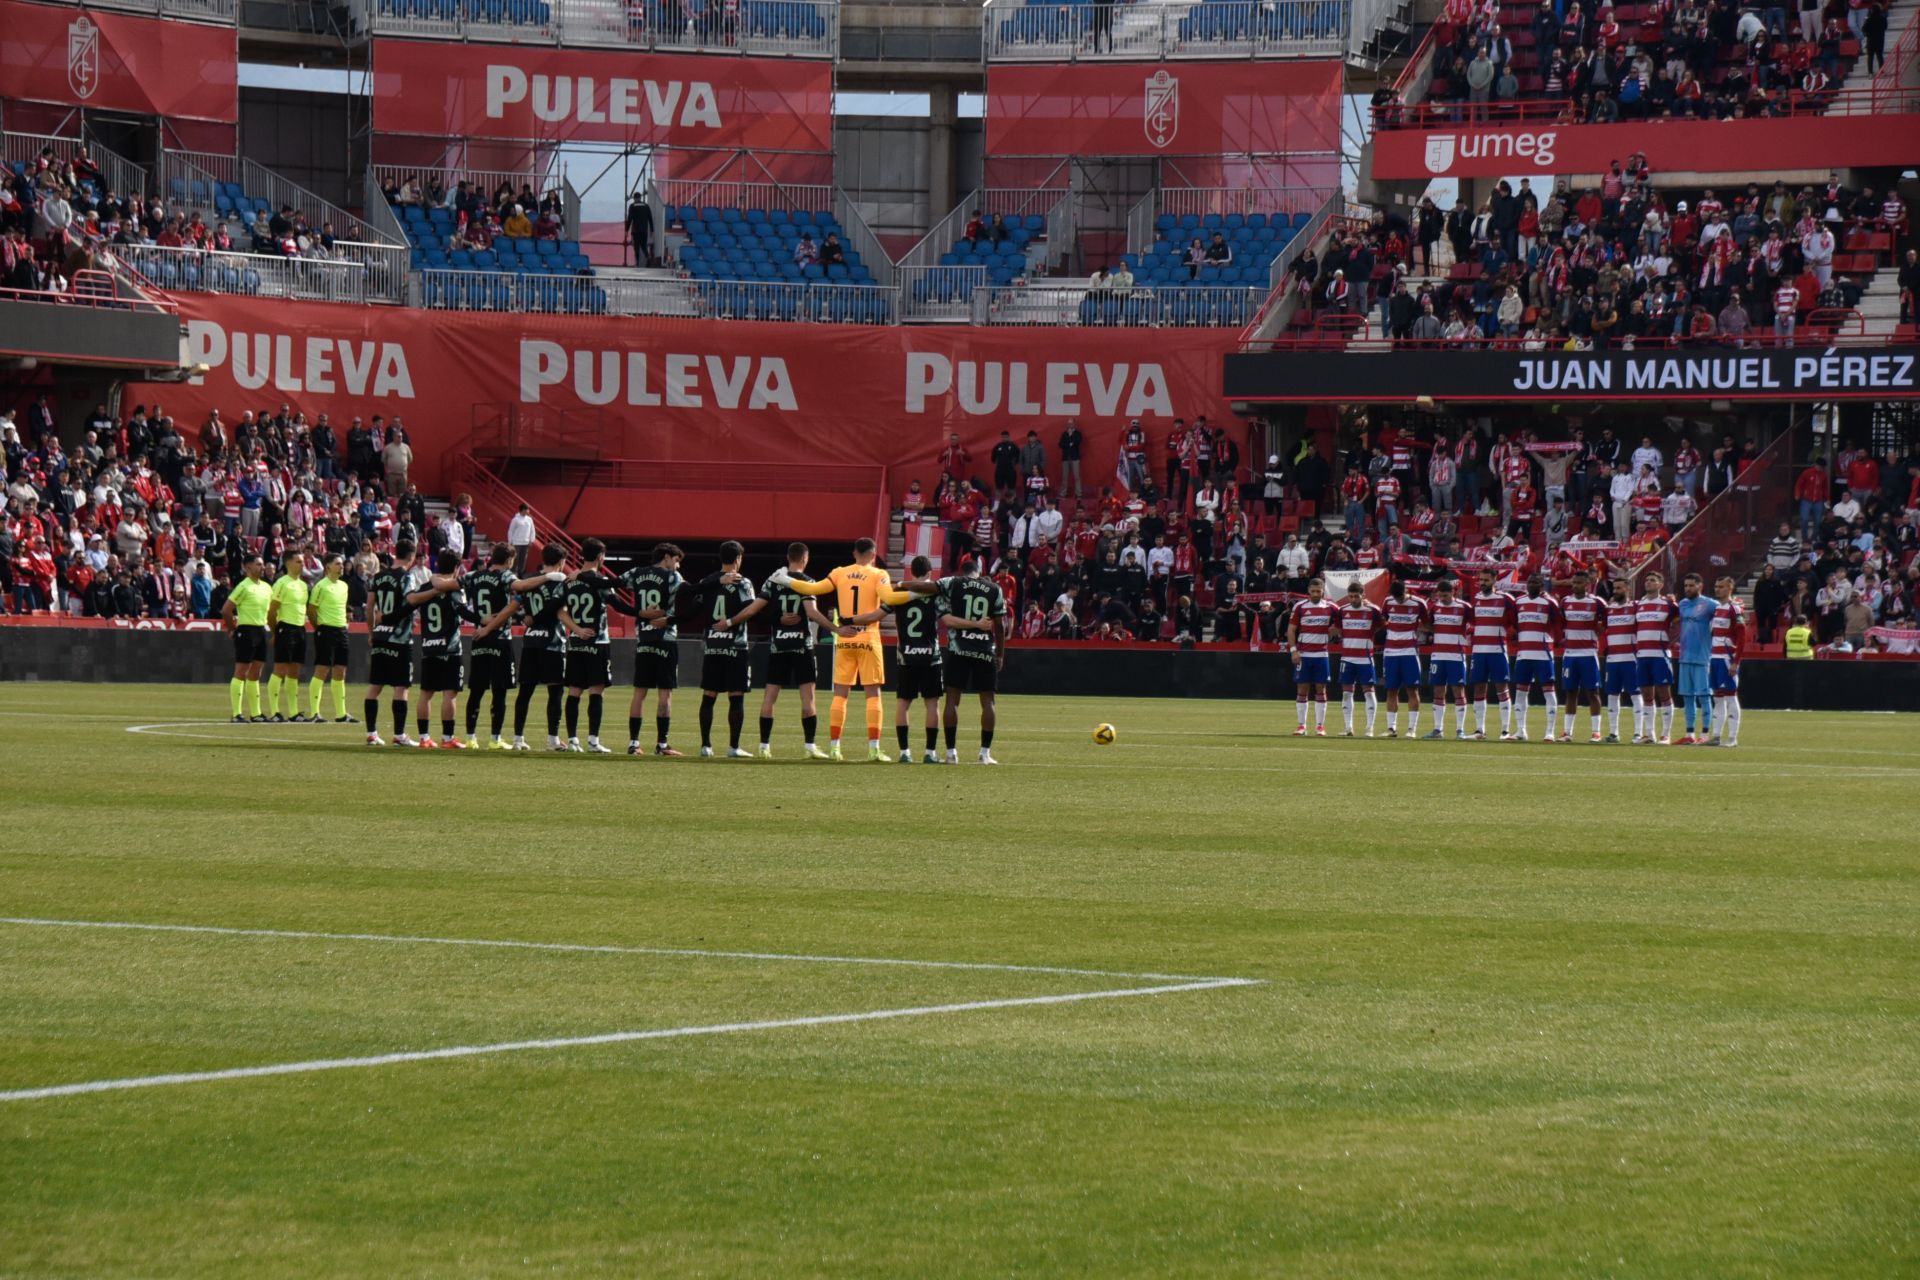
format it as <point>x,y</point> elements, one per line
<point>566,645</point>
<point>1509,647</point>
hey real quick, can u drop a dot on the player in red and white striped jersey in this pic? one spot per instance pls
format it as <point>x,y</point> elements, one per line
<point>1400,657</point>
<point>1359,624</point>
<point>1452,617</point>
<point>1536,623</point>
<point>1729,642</point>
<point>1655,616</point>
<point>1583,615</point>
<point>1310,641</point>
<point>1623,667</point>
<point>1492,630</point>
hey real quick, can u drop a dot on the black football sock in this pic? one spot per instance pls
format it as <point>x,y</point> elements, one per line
<point>633,728</point>
<point>499,709</point>
<point>573,716</point>
<point>933,737</point>
<point>446,728</point>
<point>706,722</point>
<point>900,731</point>
<point>522,702</point>
<point>809,725</point>
<point>766,729</point>
<point>595,705</point>
<point>399,717</point>
<point>736,720</point>
<point>473,712</point>
<point>662,724</point>
<point>421,722</point>
<point>370,710</point>
<point>986,739</point>
<point>953,735</point>
<point>553,711</point>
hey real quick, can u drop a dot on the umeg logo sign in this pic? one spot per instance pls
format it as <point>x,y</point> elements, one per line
<point>1522,146</point>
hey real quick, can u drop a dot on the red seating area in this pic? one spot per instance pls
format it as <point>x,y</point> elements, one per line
<point>1783,63</point>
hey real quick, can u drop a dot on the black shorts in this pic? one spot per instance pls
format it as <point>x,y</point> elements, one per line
<point>442,671</point>
<point>725,673</point>
<point>540,665</point>
<point>249,645</point>
<point>492,670</point>
<point>656,670</point>
<point>972,675</point>
<point>589,668</point>
<point>390,668</point>
<point>918,680</point>
<point>289,645</point>
<point>792,669</point>
<point>329,647</point>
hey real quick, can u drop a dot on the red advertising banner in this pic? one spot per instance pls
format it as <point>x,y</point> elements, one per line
<point>1671,146</point>
<point>118,62</point>
<point>1154,108</point>
<point>579,95</point>
<point>672,388</point>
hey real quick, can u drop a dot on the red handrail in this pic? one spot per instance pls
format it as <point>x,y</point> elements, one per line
<point>91,295</point>
<point>469,471</point>
<point>1874,99</point>
<point>1363,341</point>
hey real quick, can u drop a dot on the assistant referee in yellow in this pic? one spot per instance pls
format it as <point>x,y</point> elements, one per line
<point>245,616</point>
<point>287,620</point>
<point>327,610</point>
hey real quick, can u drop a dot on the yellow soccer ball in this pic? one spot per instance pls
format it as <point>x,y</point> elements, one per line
<point>1104,735</point>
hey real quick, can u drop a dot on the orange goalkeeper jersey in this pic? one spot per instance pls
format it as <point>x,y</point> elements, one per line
<point>857,589</point>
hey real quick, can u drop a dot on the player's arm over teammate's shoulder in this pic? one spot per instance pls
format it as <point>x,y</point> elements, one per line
<point>908,591</point>
<point>821,587</point>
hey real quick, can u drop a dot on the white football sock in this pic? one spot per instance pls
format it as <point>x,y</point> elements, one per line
<point>1733,719</point>
<point>1346,709</point>
<point>1479,715</point>
<point>1300,711</point>
<point>1506,715</point>
<point>1373,711</point>
<point>1553,708</point>
<point>1319,713</point>
<point>1521,702</point>
<point>1613,714</point>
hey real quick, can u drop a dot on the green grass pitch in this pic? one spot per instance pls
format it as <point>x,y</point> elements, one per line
<point>1526,1010</point>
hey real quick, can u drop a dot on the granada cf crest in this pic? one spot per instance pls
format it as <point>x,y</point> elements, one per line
<point>1439,153</point>
<point>83,56</point>
<point>1162,109</point>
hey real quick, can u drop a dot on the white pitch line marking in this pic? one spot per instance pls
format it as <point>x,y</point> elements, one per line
<point>613,1037</point>
<point>609,949</point>
<point>171,729</point>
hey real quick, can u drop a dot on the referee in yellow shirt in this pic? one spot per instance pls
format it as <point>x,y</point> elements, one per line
<point>245,616</point>
<point>327,610</point>
<point>287,620</point>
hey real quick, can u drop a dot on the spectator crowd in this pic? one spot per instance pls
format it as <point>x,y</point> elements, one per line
<point>1167,551</point>
<point>145,518</point>
<point>1588,63</point>
<point>480,218</point>
<point>57,215</point>
<point>1610,266</point>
